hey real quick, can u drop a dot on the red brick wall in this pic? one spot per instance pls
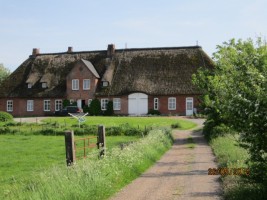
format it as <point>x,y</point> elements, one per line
<point>80,72</point>
<point>180,104</point>
<point>20,107</point>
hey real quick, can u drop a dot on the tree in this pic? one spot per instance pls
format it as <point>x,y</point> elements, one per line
<point>4,72</point>
<point>236,96</point>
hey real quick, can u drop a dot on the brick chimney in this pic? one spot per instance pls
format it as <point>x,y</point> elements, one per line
<point>70,49</point>
<point>35,51</point>
<point>111,50</point>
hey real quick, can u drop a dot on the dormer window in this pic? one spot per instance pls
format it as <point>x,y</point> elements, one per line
<point>29,85</point>
<point>105,83</point>
<point>44,85</point>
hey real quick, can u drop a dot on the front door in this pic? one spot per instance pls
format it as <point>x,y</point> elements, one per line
<point>79,103</point>
<point>189,106</point>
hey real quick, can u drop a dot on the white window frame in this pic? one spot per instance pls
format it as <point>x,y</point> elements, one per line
<point>44,85</point>
<point>104,103</point>
<point>89,102</point>
<point>171,103</point>
<point>47,105</point>
<point>75,84</point>
<point>116,104</point>
<point>29,85</point>
<point>58,104</point>
<point>9,105</point>
<point>30,105</point>
<point>156,103</point>
<point>86,84</point>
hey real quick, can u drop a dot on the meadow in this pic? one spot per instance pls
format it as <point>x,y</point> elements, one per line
<point>29,149</point>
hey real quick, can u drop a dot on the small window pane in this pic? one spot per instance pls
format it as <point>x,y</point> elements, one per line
<point>104,103</point>
<point>156,103</point>
<point>30,105</point>
<point>172,103</point>
<point>46,105</point>
<point>116,104</point>
<point>86,84</point>
<point>9,106</point>
<point>75,84</point>
<point>58,105</point>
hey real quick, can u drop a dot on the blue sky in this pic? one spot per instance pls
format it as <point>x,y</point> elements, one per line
<point>53,25</point>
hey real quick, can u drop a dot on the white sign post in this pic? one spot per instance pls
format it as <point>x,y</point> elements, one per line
<point>80,117</point>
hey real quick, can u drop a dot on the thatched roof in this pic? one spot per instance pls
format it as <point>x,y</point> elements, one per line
<point>155,71</point>
<point>52,69</point>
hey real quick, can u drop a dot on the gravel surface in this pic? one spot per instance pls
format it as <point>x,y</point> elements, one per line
<point>182,173</point>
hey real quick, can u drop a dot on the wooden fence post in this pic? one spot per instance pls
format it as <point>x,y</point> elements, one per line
<point>70,149</point>
<point>101,140</point>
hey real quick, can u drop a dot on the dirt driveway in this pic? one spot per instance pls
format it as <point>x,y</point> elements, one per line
<point>182,173</point>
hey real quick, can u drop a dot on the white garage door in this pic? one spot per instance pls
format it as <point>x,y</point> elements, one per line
<point>137,104</point>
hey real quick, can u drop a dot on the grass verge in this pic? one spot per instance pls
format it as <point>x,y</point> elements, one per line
<point>96,179</point>
<point>230,155</point>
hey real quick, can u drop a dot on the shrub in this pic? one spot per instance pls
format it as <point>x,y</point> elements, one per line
<point>4,117</point>
<point>86,109</point>
<point>95,107</point>
<point>153,112</point>
<point>109,111</point>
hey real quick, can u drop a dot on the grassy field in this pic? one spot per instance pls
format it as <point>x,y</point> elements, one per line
<point>232,156</point>
<point>94,179</point>
<point>26,155</point>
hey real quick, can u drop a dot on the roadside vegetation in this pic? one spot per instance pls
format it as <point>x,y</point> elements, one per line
<point>95,178</point>
<point>31,150</point>
<point>235,103</point>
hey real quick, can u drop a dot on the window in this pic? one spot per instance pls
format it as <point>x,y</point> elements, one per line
<point>9,106</point>
<point>156,103</point>
<point>75,84</point>
<point>44,85</point>
<point>58,105</point>
<point>46,105</point>
<point>29,85</point>
<point>86,84</point>
<point>104,103</point>
<point>89,101</point>
<point>172,103</point>
<point>30,105</point>
<point>116,104</point>
<point>105,83</point>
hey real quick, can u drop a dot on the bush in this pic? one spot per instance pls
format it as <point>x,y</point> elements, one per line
<point>153,112</point>
<point>86,109</point>
<point>109,111</point>
<point>4,117</point>
<point>95,107</point>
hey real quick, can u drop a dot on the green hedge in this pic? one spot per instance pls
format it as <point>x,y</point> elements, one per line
<point>4,117</point>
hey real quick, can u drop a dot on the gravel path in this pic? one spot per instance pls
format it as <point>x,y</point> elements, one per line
<point>182,173</point>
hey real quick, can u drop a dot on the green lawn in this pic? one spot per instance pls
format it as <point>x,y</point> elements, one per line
<point>23,156</point>
<point>140,122</point>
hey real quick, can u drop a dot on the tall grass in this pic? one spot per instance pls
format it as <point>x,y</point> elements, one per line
<point>96,179</point>
<point>229,154</point>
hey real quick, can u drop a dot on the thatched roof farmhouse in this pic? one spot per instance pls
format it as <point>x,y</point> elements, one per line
<point>136,80</point>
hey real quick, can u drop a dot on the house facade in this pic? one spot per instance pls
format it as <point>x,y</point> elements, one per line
<point>136,80</point>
